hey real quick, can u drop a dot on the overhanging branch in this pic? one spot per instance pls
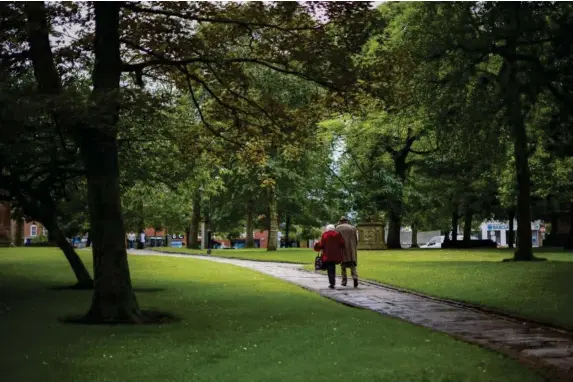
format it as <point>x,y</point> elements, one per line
<point>217,20</point>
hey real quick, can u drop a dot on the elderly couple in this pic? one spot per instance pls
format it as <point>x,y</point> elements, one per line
<point>338,245</point>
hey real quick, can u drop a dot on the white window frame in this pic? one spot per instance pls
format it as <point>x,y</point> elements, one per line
<point>44,231</point>
<point>33,230</point>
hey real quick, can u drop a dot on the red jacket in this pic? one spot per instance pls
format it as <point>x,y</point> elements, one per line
<point>332,246</point>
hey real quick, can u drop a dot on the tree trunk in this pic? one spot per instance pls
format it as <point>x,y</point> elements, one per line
<point>524,250</point>
<point>193,238</point>
<point>188,236</point>
<point>273,221</point>
<point>287,231</point>
<point>18,232</point>
<point>511,231</point>
<point>514,108</point>
<point>468,217</point>
<point>395,221</point>
<point>447,237</point>
<point>414,236</point>
<point>82,275</point>
<point>455,223</point>
<point>569,244</point>
<point>384,242</point>
<point>113,299</point>
<point>250,243</point>
<point>554,223</point>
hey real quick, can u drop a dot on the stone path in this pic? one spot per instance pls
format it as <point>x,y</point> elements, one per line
<point>549,350</point>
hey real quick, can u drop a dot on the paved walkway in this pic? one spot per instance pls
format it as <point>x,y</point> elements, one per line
<point>544,348</point>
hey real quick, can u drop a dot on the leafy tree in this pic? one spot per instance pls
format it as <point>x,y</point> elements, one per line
<point>157,41</point>
<point>510,49</point>
<point>39,172</point>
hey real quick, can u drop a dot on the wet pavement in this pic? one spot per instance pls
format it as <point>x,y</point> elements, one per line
<point>547,349</point>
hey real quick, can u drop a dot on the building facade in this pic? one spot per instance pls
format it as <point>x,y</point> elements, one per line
<point>31,230</point>
<point>498,231</point>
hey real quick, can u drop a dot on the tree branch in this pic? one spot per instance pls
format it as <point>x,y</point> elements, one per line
<point>199,110</point>
<point>45,71</point>
<point>217,20</point>
<point>158,59</point>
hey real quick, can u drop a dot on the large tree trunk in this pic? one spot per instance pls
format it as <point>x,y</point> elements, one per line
<point>569,244</point>
<point>524,250</point>
<point>273,221</point>
<point>250,243</point>
<point>113,299</point>
<point>395,213</point>
<point>468,216</point>
<point>193,238</point>
<point>84,280</point>
<point>395,221</point>
<point>511,231</point>
<point>414,236</point>
<point>514,108</point>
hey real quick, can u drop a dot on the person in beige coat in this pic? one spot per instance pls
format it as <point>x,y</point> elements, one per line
<point>349,260</point>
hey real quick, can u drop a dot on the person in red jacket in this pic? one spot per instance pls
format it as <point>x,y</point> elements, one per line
<point>332,245</point>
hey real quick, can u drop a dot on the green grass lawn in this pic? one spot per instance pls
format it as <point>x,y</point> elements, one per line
<point>541,291</point>
<point>237,325</point>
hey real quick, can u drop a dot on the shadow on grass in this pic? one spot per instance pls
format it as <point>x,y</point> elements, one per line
<point>148,290</point>
<point>88,287</point>
<point>147,317</point>
<point>71,287</point>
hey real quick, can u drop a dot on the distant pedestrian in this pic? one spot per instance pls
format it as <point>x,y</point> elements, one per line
<point>332,246</point>
<point>131,240</point>
<point>141,244</point>
<point>350,235</point>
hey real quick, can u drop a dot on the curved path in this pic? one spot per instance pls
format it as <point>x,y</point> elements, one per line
<point>549,350</point>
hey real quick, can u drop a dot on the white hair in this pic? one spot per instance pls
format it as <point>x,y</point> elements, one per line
<point>330,227</point>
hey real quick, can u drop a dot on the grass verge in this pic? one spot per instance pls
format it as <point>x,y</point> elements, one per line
<point>237,325</point>
<point>539,291</point>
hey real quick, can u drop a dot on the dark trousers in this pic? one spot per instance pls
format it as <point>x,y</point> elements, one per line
<point>331,271</point>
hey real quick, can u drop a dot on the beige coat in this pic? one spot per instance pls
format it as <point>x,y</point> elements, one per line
<point>350,235</point>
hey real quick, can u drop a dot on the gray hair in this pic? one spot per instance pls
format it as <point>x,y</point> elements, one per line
<point>330,227</point>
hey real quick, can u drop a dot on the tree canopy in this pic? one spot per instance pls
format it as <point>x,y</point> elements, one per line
<point>281,116</point>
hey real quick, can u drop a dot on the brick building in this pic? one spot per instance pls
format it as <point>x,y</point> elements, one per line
<point>30,230</point>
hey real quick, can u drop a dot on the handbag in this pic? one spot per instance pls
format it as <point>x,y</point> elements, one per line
<point>318,262</point>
